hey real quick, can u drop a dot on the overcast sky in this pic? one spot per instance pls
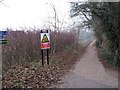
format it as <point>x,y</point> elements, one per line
<point>29,13</point>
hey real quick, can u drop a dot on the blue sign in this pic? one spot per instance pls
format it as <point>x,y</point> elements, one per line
<point>3,33</point>
<point>1,37</point>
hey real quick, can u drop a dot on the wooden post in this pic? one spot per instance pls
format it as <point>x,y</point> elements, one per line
<point>42,54</point>
<point>47,54</point>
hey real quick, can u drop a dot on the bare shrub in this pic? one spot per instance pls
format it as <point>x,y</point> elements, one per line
<point>24,47</point>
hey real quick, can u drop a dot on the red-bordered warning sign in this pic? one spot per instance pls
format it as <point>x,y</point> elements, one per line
<point>45,41</point>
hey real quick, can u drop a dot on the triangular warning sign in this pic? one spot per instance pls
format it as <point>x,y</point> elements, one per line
<point>45,39</point>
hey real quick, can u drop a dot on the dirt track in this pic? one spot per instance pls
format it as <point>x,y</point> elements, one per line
<point>89,73</point>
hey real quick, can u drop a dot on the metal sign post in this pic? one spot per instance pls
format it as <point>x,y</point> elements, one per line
<point>47,54</point>
<point>45,44</point>
<point>42,54</point>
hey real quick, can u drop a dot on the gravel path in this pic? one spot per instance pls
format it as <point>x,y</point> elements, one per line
<point>89,73</point>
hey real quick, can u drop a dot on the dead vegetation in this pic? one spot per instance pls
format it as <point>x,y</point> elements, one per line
<point>34,75</point>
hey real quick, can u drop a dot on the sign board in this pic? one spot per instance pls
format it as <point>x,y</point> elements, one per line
<point>45,40</point>
<point>3,41</point>
<point>2,35</point>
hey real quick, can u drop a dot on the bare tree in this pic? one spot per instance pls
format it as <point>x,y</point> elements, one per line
<point>55,24</point>
<point>3,3</point>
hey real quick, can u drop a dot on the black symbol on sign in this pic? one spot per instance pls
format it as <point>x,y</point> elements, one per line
<point>45,39</point>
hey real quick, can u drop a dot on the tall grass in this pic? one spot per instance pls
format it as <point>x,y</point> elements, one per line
<point>24,46</point>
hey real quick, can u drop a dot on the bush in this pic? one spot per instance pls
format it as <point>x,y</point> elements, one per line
<point>24,47</point>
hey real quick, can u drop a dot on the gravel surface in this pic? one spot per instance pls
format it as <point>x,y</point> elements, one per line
<point>89,73</point>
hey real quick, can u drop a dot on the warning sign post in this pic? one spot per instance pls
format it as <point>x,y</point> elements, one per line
<point>45,41</point>
<point>45,44</point>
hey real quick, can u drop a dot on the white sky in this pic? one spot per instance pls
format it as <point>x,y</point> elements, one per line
<point>29,13</point>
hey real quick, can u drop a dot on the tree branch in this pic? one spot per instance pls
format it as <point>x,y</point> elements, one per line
<point>3,3</point>
<point>85,16</point>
